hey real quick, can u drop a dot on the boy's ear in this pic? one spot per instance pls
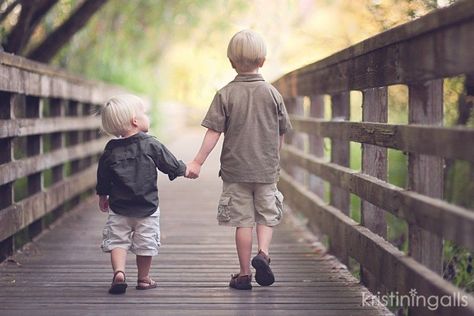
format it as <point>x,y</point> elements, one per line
<point>232,63</point>
<point>261,62</point>
<point>134,121</point>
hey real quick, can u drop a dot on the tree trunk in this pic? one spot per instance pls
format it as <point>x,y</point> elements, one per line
<point>8,10</point>
<point>51,45</point>
<point>31,14</point>
<point>15,39</point>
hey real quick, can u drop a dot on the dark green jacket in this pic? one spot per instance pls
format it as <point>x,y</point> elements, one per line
<point>127,173</point>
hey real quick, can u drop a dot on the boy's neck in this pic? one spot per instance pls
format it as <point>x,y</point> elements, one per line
<point>130,133</point>
<point>252,72</point>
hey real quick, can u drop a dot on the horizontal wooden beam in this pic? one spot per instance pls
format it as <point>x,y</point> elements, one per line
<point>438,45</point>
<point>25,127</point>
<point>447,220</point>
<point>25,212</point>
<point>23,76</point>
<point>457,142</point>
<point>24,167</point>
<point>390,266</point>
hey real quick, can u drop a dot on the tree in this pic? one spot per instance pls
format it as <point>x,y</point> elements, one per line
<point>51,45</point>
<point>31,14</point>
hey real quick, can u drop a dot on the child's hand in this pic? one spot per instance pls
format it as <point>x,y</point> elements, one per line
<point>104,203</point>
<point>192,170</point>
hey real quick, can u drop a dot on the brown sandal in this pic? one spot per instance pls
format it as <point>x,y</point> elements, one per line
<point>151,284</point>
<point>118,287</point>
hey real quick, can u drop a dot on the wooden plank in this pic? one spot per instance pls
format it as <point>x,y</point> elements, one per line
<point>295,106</point>
<point>23,213</point>
<point>340,105</point>
<point>6,154</point>
<point>20,75</point>
<point>374,163</point>
<point>25,127</point>
<point>193,268</point>
<point>389,265</point>
<point>340,151</point>
<point>450,221</point>
<point>374,158</point>
<point>27,166</point>
<point>316,143</point>
<point>458,142</point>
<point>316,148</point>
<point>425,174</point>
<point>403,55</point>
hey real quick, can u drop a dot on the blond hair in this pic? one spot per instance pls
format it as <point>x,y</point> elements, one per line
<point>118,112</point>
<point>246,50</point>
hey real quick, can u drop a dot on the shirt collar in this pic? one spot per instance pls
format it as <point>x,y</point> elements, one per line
<point>248,78</point>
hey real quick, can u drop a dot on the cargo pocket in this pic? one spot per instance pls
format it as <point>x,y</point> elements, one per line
<point>158,240</point>
<point>223,211</point>
<point>105,239</point>
<point>279,204</point>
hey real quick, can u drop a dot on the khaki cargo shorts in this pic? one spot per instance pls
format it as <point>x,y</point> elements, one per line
<point>140,235</point>
<point>244,204</point>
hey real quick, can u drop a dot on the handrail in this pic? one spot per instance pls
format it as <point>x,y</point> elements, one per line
<point>50,143</point>
<point>419,54</point>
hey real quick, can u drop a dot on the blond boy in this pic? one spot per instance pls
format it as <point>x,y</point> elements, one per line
<point>127,188</point>
<point>251,114</point>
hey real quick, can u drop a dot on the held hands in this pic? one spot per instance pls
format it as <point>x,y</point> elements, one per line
<point>192,170</point>
<point>104,203</point>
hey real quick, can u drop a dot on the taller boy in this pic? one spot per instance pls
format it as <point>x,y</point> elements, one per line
<point>251,114</point>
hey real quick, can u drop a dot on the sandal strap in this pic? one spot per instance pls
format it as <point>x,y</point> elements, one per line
<point>117,272</point>
<point>147,281</point>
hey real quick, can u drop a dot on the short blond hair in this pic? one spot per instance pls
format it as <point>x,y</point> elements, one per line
<point>118,112</point>
<point>246,50</point>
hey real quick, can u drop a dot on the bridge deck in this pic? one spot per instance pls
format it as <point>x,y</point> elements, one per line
<point>65,273</point>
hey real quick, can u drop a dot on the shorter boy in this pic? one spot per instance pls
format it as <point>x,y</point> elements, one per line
<point>127,188</point>
<point>251,114</point>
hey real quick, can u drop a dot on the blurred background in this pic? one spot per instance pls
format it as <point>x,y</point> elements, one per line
<point>174,53</point>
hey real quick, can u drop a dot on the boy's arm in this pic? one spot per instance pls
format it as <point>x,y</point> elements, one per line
<point>103,203</point>
<point>103,185</point>
<point>209,142</point>
<point>166,162</point>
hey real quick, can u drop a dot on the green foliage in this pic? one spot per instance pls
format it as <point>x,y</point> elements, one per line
<point>458,266</point>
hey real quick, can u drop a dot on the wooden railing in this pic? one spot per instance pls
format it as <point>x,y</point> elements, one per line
<point>419,55</point>
<point>49,146</point>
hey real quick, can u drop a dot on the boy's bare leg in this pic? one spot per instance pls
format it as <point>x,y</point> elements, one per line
<point>118,257</point>
<point>243,242</point>
<point>143,265</point>
<point>264,236</point>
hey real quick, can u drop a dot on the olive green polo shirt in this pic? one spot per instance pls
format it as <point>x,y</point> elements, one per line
<point>252,115</point>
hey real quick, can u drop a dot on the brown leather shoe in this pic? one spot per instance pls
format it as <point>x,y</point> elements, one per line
<point>263,274</point>
<point>243,282</point>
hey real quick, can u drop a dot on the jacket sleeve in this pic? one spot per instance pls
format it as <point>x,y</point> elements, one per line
<point>103,178</point>
<point>165,161</point>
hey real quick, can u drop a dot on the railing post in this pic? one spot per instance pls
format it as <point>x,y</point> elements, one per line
<point>374,163</point>
<point>316,144</point>
<point>340,106</point>
<point>425,173</point>
<point>316,148</point>
<point>57,109</point>
<point>295,107</point>
<point>339,198</point>
<point>6,156</point>
<point>34,148</point>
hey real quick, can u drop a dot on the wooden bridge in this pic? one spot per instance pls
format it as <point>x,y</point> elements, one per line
<point>50,144</point>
